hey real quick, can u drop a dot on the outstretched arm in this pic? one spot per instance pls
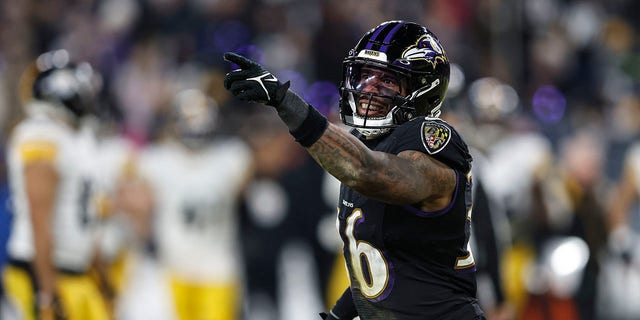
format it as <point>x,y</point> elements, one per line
<point>411,177</point>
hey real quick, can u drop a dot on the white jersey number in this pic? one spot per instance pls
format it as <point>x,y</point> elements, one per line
<point>368,262</point>
<point>467,261</point>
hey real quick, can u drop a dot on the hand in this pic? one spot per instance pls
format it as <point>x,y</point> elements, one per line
<point>50,307</point>
<point>253,83</point>
<point>46,313</point>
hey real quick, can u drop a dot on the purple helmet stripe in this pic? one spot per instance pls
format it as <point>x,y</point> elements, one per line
<point>389,36</point>
<point>375,35</point>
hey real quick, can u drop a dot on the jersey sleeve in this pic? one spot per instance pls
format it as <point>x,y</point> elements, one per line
<point>238,161</point>
<point>37,142</point>
<point>35,150</point>
<point>436,138</point>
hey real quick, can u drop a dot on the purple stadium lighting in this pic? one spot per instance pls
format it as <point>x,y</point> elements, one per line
<point>324,96</point>
<point>230,35</point>
<point>549,104</point>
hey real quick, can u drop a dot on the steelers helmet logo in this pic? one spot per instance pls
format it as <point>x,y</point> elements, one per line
<point>435,136</point>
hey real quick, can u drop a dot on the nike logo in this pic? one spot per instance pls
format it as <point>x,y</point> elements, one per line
<point>264,77</point>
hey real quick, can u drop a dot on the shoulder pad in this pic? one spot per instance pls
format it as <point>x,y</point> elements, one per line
<point>435,135</point>
<point>436,138</point>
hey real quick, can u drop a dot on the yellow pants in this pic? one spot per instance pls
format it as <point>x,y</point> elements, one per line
<point>198,301</point>
<point>79,295</point>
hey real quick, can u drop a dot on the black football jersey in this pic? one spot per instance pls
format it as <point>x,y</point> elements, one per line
<point>405,263</point>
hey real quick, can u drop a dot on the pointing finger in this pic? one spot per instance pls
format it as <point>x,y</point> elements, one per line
<point>241,61</point>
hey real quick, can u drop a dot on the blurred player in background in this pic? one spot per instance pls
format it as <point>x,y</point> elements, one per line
<point>620,277</point>
<point>624,203</point>
<point>117,232</point>
<point>195,177</point>
<point>510,157</point>
<point>129,248</point>
<point>52,173</point>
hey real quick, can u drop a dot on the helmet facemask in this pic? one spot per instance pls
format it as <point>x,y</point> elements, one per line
<point>196,118</point>
<point>374,108</point>
<point>371,96</point>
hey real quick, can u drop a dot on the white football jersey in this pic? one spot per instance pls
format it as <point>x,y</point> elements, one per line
<point>74,219</point>
<point>116,159</point>
<point>195,194</point>
<point>512,165</point>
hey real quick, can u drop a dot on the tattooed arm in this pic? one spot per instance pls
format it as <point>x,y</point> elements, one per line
<point>411,177</point>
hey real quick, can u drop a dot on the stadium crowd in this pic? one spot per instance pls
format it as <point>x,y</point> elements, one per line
<point>546,93</point>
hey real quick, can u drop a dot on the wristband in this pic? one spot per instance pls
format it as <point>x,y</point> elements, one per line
<point>311,128</point>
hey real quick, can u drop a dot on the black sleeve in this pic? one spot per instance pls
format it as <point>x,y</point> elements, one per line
<point>486,240</point>
<point>344,307</point>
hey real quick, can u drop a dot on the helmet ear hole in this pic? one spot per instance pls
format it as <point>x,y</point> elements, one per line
<point>433,101</point>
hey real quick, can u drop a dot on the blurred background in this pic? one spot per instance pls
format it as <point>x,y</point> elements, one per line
<point>546,92</point>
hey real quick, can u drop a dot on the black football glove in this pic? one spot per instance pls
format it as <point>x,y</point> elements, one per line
<point>253,83</point>
<point>329,316</point>
<point>344,309</point>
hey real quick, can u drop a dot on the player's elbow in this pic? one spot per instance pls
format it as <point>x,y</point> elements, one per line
<point>364,179</point>
<point>364,173</point>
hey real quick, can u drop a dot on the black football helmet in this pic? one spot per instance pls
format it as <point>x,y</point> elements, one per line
<point>64,83</point>
<point>407,66</point>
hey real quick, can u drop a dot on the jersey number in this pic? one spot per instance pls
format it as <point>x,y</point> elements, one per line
<point>370,268</point>
<point>201,215</point>
<point>467,260</point>
<point>84,202</point>
<point>368,263</point>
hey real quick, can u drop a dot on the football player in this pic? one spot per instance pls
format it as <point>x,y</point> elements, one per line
<point>627,193</point>
<point>195,177</point>
<point>52,174</point>
<point>616,292</point>
<point>404,212</point>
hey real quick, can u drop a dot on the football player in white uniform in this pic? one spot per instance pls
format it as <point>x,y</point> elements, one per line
<point>52,176</point>
<point>116,237</point>
<point>620,275</point>
<point>195,178</point>
<point>627,191</point>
